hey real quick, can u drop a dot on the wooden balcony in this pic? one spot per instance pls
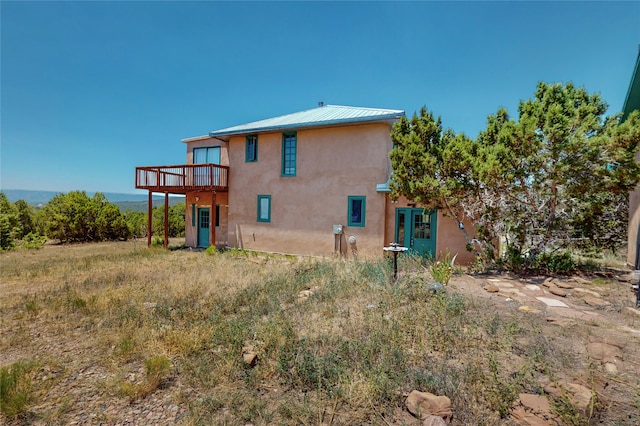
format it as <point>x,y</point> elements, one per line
<point>183,178</point>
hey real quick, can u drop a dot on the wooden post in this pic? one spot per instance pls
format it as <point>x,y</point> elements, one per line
<point>212,226</point>
<point>166,220</point>
<point>150,219</point>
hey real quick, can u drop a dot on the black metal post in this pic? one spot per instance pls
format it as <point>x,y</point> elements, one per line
<point>395,265</point>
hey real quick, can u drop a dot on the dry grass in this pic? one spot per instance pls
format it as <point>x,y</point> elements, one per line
<point>150,321</point>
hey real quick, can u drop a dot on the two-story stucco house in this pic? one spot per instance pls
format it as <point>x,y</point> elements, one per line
<point>313,183</point>
<point>632,103</point>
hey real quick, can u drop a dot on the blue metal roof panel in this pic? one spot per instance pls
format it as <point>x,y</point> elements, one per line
<point>321,116</point>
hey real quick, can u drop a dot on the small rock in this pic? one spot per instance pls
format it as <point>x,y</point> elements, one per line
<point>529,309</point>
<point>425,404</point>
<point>435,287</point>
<point>610,368</point>
<point>557,291</point>
<point>249,356</point>
<point>433,421</point>
<point>491,288</point>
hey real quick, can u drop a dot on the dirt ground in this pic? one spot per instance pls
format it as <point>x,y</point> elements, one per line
<point>593,316</point>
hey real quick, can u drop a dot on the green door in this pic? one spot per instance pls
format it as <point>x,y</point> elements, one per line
<point>204,222</point>
<point>416,229</point>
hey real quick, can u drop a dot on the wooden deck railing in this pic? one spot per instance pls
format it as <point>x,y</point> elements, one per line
<point>183,178</point>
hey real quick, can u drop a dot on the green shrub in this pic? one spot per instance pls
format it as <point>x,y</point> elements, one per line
<point>15,388</point>
<point>33,241</point>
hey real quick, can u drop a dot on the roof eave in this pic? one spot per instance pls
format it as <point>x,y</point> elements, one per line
<point>632,100</point>
<point>317,124</point>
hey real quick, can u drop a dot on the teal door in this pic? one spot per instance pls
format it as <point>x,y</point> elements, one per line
<point>416,229</point>
<point>204,222</point>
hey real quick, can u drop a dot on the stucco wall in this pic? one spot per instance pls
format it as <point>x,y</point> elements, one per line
<point>205,199</point>
<point>332,164</point>
<point>449,238</point>
<point>634,222</point>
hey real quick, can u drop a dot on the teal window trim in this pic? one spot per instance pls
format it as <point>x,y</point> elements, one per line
<point>193,215</point>
<point>289,153</point>
<point>357,210</point>
<point>264,208</point>
<point>251,149</point>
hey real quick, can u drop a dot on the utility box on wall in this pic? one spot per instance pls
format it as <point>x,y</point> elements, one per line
<point>337,229</point>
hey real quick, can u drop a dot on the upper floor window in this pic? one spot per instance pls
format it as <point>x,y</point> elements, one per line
<point>251,150</point>
<point>208,155</point>
<point>289,151</point>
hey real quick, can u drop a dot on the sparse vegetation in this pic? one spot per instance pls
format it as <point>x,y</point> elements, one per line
<point>175,323</point>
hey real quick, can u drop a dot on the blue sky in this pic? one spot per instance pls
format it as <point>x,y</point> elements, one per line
<point>90,90</point>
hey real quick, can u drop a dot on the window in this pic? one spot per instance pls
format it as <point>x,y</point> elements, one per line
<point>217,225</point>
<point>193,215</point>
<point>251,150</point>
<point>210,155</point>
<point>264,208</point>
<point>357,209</point>
<point>289,142</point>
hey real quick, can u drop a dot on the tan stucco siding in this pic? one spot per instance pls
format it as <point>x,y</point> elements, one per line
<point>205,200</point>
<point>634,225</point>
<point>634,222</point>
<point>206,143</point>
<point>449,238</point>
<point>332,164</point>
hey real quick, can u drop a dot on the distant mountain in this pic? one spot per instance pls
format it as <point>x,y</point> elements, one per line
<point>42,197</point>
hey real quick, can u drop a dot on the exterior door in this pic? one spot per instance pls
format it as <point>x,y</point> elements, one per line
<point>416,229</point>
<point>204,222</point>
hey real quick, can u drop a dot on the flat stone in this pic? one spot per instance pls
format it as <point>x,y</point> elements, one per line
<point>532,287</point>
<point>595,302</point>
<point>524,418</point>
<point>557,292</point>
<point>552,302</point>
<point>578,394</point>
<point>580,280</point>
<point>603,352</point>
<point>564,285</point>
<point>586,291</point>
<point>536,403</point>
<point>575,314</point>
<point>631,312</point>
<point>491,288</point>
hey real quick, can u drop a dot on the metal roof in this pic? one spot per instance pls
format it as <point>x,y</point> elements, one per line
<point>632,101</point>
<point>326,115</point>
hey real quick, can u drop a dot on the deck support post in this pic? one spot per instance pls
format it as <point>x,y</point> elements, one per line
<point>149,218</point>
<point>166,220</point>
<point>212,225</point>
